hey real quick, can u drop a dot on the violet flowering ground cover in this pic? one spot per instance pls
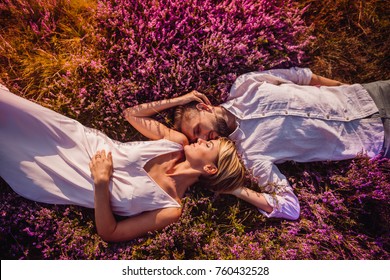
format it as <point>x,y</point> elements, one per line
<point>91,59</point>
<point>149,50</point>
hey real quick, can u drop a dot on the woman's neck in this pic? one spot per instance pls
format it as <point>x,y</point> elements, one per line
<point>184,174</point>
<point>172,173</point>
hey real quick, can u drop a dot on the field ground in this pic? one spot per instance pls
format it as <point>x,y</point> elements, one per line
<point>90,59</point>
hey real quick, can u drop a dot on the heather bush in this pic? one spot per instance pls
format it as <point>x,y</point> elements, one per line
<point>135,51</point>
<point>344,215</point>
<point>91,59</point>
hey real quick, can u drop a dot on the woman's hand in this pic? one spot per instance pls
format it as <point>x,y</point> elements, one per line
<point>194,96</point>
<point>101,167</point>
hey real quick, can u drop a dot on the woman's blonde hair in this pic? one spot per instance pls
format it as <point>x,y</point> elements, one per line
<point>231,172</point>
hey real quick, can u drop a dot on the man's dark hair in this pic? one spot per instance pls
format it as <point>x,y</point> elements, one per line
<point>183,113</point>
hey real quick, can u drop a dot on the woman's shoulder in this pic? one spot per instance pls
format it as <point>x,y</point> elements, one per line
<point>179,139</point>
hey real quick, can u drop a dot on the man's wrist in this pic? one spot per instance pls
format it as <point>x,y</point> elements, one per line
<point>237,192</point>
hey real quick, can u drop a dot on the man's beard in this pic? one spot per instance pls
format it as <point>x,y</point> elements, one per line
<point>222,128</point>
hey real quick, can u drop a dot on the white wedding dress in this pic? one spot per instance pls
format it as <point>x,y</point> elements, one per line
<point>44,156</point>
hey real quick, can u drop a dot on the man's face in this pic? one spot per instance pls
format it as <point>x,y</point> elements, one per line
<point>204,125</point>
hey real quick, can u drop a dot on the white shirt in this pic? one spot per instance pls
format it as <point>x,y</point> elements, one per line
<point>281,118</point>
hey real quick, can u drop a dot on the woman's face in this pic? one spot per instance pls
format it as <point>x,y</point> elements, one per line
<point>202,153</point>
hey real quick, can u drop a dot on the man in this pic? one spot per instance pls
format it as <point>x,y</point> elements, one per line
<point>292,115</point>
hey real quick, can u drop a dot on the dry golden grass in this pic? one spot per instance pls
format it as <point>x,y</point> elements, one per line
<point>33,63</point>
<point>353,41</point>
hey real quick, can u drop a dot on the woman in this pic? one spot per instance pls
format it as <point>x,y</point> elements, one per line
<point>47,157</point>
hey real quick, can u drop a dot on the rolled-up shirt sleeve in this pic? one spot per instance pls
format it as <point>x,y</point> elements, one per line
<point>296,75</point>
<point>280,195</point>
<point>285,205</point>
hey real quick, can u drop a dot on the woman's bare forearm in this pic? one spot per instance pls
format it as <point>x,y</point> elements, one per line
<point>101,167</point>
<point>104,218</point>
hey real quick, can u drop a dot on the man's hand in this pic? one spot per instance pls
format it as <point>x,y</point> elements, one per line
<point>194,96</point>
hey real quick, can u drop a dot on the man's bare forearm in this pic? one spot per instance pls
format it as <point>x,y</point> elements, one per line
<point>318,80</point>
<point>254,198</point>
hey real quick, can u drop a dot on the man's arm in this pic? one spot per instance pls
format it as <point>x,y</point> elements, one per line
<point>296,75</point>
<point>253,197</point>
<point>140,117</point>
<point>317,80</point>
<point>284,205</point>
<point>303,76</point>
<point>281,202</point>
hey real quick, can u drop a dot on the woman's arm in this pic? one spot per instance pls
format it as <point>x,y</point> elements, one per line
<point>140,117</point>
<point>107,227</point>
<point>140,225</point>
<point>101,167</point>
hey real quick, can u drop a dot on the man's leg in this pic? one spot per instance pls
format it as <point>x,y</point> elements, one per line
<point>380,93</point>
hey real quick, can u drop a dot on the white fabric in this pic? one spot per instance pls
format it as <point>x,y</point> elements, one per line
<point>281,118</point>
<point>44,156</point>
